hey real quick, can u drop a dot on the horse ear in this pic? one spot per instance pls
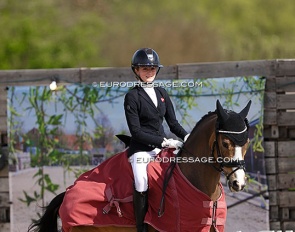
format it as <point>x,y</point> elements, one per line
<point>245,111</point>
<point>220,112</point>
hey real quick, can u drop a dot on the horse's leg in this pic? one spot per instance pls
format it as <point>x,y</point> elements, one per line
<point>107,229</point>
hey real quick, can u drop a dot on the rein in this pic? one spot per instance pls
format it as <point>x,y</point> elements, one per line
<point>167,177</point>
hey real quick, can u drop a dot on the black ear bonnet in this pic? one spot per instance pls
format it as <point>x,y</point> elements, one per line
<point>233,125</point>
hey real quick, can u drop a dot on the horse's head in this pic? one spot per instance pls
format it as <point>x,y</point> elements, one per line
<point>231,144</point>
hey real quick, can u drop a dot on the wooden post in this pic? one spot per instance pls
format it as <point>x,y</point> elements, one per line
<point>4,185</point>
<point>4,171</point>
<point>279,124</point>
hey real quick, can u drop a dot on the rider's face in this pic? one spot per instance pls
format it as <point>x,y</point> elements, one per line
<point>147,73</point>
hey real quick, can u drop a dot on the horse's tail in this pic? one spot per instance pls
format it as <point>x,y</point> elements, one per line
<point>48,222</point>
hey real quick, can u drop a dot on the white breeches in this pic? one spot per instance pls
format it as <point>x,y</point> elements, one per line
<point>139,162</point>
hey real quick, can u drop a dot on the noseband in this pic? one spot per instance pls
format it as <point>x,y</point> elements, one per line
<point>237,164</point>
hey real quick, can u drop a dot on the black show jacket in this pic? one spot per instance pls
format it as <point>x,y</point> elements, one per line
<point>145,120</point>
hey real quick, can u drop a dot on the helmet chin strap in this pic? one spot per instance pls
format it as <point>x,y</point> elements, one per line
<point>138,78</point>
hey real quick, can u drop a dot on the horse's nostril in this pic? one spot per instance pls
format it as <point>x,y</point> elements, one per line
<point>236,184</point>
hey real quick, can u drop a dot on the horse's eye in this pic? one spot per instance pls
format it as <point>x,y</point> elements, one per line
<point>224,144</point>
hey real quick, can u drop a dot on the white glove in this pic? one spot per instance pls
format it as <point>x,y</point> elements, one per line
<point>172,143</point>
<point>185,137</point>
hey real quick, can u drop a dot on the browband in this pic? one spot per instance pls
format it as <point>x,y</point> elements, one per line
<point>233,132</point>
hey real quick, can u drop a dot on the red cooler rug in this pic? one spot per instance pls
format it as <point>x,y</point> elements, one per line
<point>103,197</point>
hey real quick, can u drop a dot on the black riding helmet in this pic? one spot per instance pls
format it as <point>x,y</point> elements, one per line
<point>145,57</point>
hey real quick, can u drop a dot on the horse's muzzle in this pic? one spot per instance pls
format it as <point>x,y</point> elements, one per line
<point>235,186</point>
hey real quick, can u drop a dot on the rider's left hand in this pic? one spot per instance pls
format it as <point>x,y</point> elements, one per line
<point>172,143</point>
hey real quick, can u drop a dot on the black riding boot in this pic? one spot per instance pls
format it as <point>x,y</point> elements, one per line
<point>140,205</point>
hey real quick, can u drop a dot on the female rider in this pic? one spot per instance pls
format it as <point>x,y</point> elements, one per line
<point>145,108</point>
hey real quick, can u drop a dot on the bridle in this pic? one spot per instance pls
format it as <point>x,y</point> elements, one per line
<point>237,164</point>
